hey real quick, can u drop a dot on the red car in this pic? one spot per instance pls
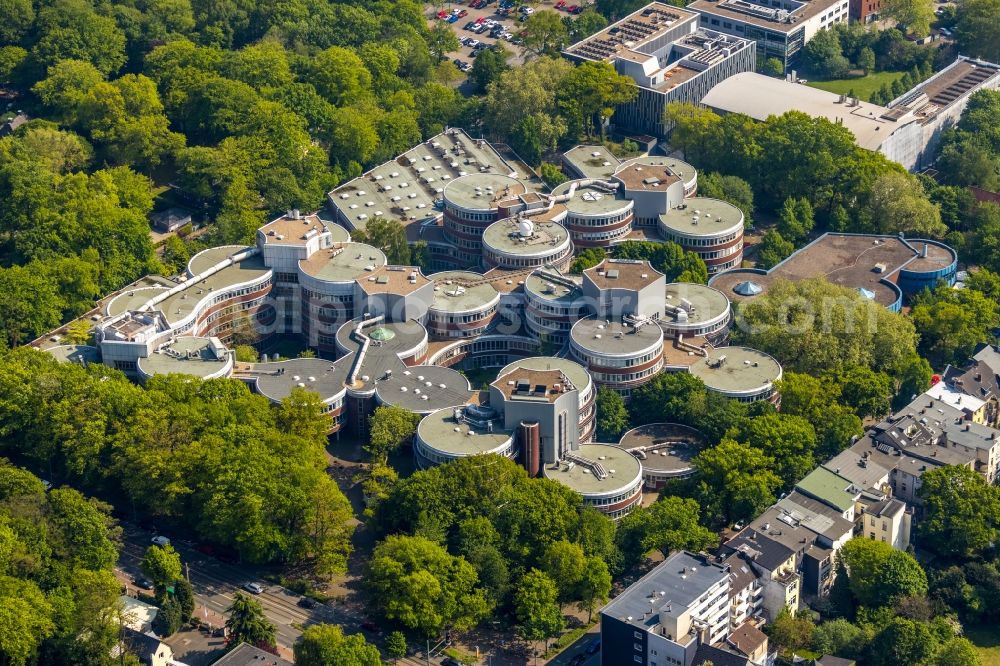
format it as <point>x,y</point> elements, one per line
<point>479,21</point>
<point>575,9</point>
<point>560,4</point>
<point>463,13</point>
<point>443,15</point>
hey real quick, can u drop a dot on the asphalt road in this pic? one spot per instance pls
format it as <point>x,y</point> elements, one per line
<point>215,582</point>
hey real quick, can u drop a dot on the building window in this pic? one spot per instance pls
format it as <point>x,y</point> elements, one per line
<point>637,634</point>
<point>637,659</point>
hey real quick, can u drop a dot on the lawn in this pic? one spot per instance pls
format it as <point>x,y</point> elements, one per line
<point>863,86</point>
<point>987,642</point>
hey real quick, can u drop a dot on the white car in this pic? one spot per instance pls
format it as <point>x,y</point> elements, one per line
<point>473,43</point>
<point>161,541</point>
<point>254,588</point>
<point>527,11</point>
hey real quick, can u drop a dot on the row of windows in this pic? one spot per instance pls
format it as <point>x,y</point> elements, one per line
<point>290,278</point>
<point>607,501</point>
<point>461,319</point>
<point>464,228</point>
<point>621,378</point>
<point>521,262</point>
<point>703,330</point>
<point>308,295</point>
<point>471,217</point>
<point>621,362</point>
<point>547,323</point>
<point>725,252</point>
<point>597,221</point>
<point>603,235</point>
<point>571,310</point>
<point>687,241</point>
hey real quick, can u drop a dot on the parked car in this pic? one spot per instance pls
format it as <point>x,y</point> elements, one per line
<point>452,19</point>
<point>161,541</point>
<point>465,66</point>
<point>576,10</point>
<point>474,43</point>
<point>572,8</point>
<point>527,11</point>
<point>306,602</point>
<point>578,659</point>
<point>594,646</point>
<point>463,13</point>
<point>254,588</point>
<point>442,14</point>
<point>143,583</point>
<point>560,4</point>
<point>450,661</point>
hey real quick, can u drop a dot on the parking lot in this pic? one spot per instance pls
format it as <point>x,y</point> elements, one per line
<point>481,24</point>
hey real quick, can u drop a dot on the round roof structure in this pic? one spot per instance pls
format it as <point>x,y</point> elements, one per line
<point>664,448</point>
<point>737,371</point>
<point>541,287</point>
<point>700,217</point>
<point>83,354</point>
<point>462,437</point>
<point>507,237</point>
<point>614,339</point>
<point>345,263</point>
<point>592,201</point>
<point>462,291</point>
<point>621,471</point>
<point>575,372</point>
<point>748,288</point>
<point>481,191</point>
<point>702,303</point>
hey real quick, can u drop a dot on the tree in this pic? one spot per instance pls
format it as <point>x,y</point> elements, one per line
<point>417,583</point>
<point>902,641</point>
<point>789,632</point>
<point>537,609</point>
<point>587,23</point>
<point>168,620</point>
<point>824,56</point>
<point>668,397</point>
<point>588,258</point>
<point>612,416</point>
<point>552,174</point>
<point>563,563</point>
<point>952,322</point>
<point>773,249</point>
<point>488,66</point>
<point>668,258</point>
<point>957,651</point>
<point>735,481</point>
<point>246,354</point>
<point>841,638</point>
<point>162,565</point>
<point>773,67</point>
<point>795,220</point>
<point>812,326</point>
<point>668,525</point>
<point>791,440</point>
<point>184,595</point>
<point>325,644</point>
<point>592,89</point>
<point>26,620</point>
<point>247,623</point>
<point>595,585</point>
<point>694,128</point>
<point>442,40</point>
<point>915,15</point>
<point>545,32</point>
<point>388,428</point>
<point>866,391</point>
<point>733,189</point>
<point>878,574</point>
<point>898,204</point>
<point>395,645</point>
<point>977,30</point>
<point>388,236</point>
<point>961,512</point>
<point>866,60</point>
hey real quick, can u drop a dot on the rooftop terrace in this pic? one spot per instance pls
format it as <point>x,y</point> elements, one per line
<point>614,338</point>
<point>620,466</point>
<point>623,274</point>
<point>345,263</point>
<point>592,161</point>
<point>461,291</point>
<point>663,447</point>
<point>737,369</point>
<point>631,36</point>
<point>701,216</point>
<point>464,437</point>
<point>507,236</point>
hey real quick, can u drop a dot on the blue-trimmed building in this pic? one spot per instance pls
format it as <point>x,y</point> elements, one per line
<point>881,268</point>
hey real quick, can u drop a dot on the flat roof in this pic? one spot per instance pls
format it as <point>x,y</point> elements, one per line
<point>590,200</point>
<point>633,33</point>
<point>761,97</point>
<point>651,175</point>
<point>408,387</point>
<point>180,305</point>
<point>399,337</point>
<point>461,291</point>
<point>668,447</point>
<point>541,285</point>
<point>291,230</point>
<point>591,161</point>
<point>413,178</point>
<point>462,191</point>
<point>623,274</point>
<point>522,383</point>
<point>630,341</point>
<point>344,263</point>
<point>862,472</point>
<point>743,369</point>
<point>545,238</point>
<point>131,300</point>
<point>708,303</point>
<point>701,216</point>
<point>847,260</point>
<point>948,86</point>
<point>393,280</point>
<point>680,580</point>
<point>816,516</point>
<point>441,431</point>
<point>576,373</point>
<point>82,354</point>
<point>829,487</point>
<point>776,19</point>
<point>275,380</point>
<point>187,355</point>
<point>621,467</point>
